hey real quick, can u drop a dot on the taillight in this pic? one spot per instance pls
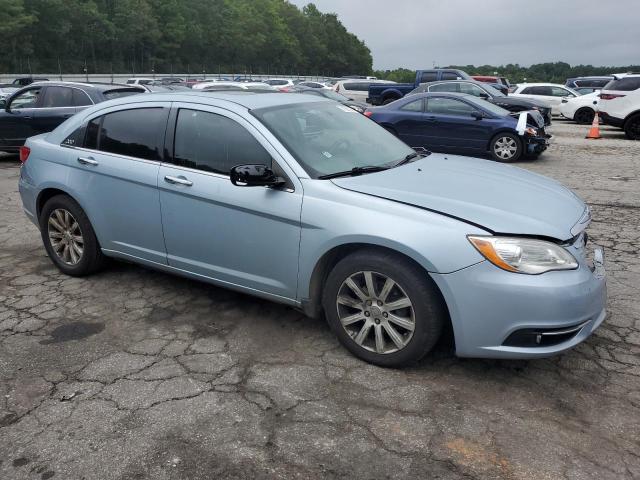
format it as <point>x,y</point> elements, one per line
<point>610,96</point>
<point>24,153</point>
<point>368,113</point>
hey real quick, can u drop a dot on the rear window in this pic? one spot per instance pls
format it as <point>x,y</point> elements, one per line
<point>625,84</point>
<point>120,92</point>
<point>358,87</point>
<point>428,77</point>
<point>591,83</point>
<point>277,82</point>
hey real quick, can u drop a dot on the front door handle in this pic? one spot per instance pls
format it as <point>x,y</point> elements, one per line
<point>178,181</point>
<point>87,161</point>
<point>430,119</point>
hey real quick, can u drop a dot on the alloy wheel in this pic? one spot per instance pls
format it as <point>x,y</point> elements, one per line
<point>505,148</point>
<point>65,236</point>
<point>584,116</point>
<point>634,128</point>
<point>376,312</point>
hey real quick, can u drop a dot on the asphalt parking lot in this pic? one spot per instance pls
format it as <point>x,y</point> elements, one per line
<point>134,374</point>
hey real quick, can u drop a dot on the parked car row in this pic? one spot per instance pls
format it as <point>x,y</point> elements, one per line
<point>299,199</point>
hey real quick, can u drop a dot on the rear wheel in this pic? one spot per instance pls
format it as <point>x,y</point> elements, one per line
<point>387,101</point>
<point>506,147</point>
<point>632,127</point>
<point>69,238</point>
<point>383,308</point>
<point>584,116</point>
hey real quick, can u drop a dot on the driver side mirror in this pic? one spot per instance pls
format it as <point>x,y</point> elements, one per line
<point>484,95</point>
<point>254,176</point>
<point>477,115</point>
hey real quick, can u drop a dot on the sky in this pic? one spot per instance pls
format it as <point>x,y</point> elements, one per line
<point>416,33</point>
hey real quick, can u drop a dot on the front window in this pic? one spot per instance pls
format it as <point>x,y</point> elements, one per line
<point>327,138</point>
<point>449,106</point>
<point>213,143</point>
<point>28,99</point>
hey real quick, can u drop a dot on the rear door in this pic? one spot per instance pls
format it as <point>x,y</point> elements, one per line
<point>242,236</point>
<point>116,175</point>
<point>58,104</point>
<point>411,126</point>
<point>17,122</point>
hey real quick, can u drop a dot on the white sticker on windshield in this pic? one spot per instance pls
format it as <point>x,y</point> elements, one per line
<point>327,154</point>
<point>346,109</point>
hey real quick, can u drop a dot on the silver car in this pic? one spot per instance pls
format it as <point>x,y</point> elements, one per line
<point>303,201</point>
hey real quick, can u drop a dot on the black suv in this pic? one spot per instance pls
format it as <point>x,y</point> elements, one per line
<point>489,93</point>
<point>41,107</point>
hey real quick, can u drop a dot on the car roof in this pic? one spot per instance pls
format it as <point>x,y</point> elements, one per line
<point>97,85</point>
<point>457,80</point>
<point>249,101</point>
<point>541,84</point>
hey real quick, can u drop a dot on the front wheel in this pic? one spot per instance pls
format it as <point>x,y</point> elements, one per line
<point>69,238</point>
<point>506,147</point>
<point>383,308</point>
<point>632,127</point>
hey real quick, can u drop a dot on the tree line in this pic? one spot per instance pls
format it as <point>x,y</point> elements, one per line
<point>555,72</point>
<point>196,36</point>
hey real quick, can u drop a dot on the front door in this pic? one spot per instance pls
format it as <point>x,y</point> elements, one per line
<point>242,236</point>
<point>17,121</point>
<point>453,126</point>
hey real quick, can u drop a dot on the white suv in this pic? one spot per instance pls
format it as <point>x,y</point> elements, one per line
<point>620,104</point>
<point>549,93</point>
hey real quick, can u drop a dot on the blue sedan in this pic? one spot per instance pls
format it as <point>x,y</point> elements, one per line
<point>304,201</point>
<point>460,123</point>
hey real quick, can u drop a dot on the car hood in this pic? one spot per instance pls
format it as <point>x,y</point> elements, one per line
<point>519,101</point>
<point>500,198</point>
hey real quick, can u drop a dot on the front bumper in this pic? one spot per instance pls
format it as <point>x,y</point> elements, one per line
<point>537,144</point>
<point>487,305</point>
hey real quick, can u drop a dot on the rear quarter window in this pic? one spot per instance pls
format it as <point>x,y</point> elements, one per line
<point>626,84</point>
<point>358,87</point>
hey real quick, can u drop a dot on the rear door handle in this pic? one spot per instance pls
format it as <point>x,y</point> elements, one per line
<point>430,119</point>
<point>87,161</point>
<point>178,181</point>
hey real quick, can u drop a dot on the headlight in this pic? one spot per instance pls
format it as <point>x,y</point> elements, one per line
<point>531,131</point>
<point>524,255</point>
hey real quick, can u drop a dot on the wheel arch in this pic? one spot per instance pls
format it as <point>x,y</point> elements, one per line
<point>501,131</point>
<point>47,193</point>
<point>312,305</point>
<point>391,93</point>
<point>632,114</point>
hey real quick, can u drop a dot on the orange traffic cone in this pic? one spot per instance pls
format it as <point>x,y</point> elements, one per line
<point>594,131</point>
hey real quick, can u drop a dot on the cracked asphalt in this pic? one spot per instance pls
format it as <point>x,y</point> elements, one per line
<point>134,374</point>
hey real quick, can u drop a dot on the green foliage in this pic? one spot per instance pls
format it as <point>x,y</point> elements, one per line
<point>196,36</point>
<point>556,72</point>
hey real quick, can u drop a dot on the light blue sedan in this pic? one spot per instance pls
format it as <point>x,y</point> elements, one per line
<point>303,201</point>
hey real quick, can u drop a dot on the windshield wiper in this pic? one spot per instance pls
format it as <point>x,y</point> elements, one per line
<point>354,171</point>
<point>410,157</point>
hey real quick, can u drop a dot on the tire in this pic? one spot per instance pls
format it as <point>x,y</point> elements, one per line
<point>506,147</point>
<point>584,116</point>
<point>77,253</point>
<point>417,328</point>
<point>387,101</point>
<point>632,127</point>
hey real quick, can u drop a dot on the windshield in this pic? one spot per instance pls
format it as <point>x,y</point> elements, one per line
<point>494,92</point>
<point>327,138</point>
<point>496,110</point>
